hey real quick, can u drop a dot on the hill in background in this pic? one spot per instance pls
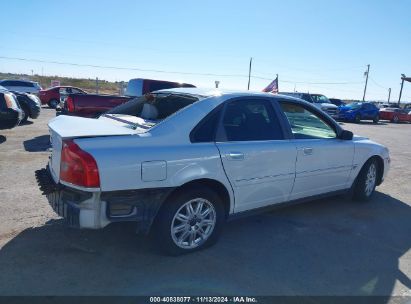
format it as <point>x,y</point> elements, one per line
<point>89,85</point>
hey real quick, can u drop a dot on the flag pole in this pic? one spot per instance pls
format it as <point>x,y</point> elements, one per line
<point>278,85</point>
<point>249,73</point>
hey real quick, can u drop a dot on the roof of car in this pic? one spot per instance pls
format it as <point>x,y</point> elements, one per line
<point>64,86</point>
<point>23,80</point>
<point>217,92</point>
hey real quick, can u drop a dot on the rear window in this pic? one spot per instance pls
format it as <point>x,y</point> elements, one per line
<point>155,107</point>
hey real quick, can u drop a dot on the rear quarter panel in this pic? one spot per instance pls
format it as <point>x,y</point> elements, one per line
<point>119,160</point>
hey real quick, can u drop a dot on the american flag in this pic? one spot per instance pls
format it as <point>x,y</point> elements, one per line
<point>272,87</point>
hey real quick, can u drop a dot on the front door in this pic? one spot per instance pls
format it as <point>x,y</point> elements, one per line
<point>324,162</point>
<point>258,162</point>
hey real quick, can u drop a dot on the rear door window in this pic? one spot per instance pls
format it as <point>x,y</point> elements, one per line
<point>250,120</point>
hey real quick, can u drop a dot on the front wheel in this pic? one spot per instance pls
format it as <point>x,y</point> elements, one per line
<point>366,181</point>
<point>357,118</point>
<point>53,103</point>
<point>26,115</point>
<point>189,221</point>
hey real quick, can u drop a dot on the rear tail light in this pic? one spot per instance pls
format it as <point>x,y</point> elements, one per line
<point>78,167</point>
<point>70,104</point>
<point>11,101</point>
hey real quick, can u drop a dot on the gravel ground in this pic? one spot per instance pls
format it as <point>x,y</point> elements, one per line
<point>327,247</point>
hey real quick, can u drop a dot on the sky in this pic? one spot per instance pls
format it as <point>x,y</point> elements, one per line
<point>314,46</point>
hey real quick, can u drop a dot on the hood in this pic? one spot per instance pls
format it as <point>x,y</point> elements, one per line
<point>328,106</point>
<point>358,138</point>
<point>345,109</point>
<point>74,127</point>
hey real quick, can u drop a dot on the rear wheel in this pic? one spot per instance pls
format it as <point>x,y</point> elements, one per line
<point>395,119</point>
<point>366,181</point>
<point>53,103</point>
<point>189,221</point>
<point>376,119</point>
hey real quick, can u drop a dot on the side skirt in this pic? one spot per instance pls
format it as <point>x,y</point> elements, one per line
<point>256,211</point>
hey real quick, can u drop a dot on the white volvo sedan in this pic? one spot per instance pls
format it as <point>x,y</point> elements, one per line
<point>180,162</point>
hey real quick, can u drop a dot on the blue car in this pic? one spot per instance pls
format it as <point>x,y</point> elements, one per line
<point>358,111</point>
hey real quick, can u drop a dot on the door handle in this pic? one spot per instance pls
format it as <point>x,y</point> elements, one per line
<point>236,155</point>
<point>308,151</point>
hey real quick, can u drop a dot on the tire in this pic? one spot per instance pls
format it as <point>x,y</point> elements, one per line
<point>173,214</point>
<point>376,119</point>
<point>26,115</point>
<point>395,119</point>
<point>357,118</point>
<point>53,103</point>
<point>366,181</point>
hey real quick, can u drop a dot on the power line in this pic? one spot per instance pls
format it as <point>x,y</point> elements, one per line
<point>167,72</point>
<point>119,68</point>
<point>377,84</point>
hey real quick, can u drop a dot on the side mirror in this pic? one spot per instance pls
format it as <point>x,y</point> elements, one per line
<point>346,135</point>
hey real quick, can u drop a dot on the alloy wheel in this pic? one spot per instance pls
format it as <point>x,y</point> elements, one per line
<point>370,179</point>
<point>193,223</point>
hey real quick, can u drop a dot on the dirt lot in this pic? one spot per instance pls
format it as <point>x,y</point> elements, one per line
<point>326,247</point>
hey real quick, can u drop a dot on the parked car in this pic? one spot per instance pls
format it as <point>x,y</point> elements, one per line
<point>52,96</point>
<point>182,161</point>
<point>90,105</point>
<point>93,105</point>
<point>337,102</point>
<point>140,86</point>
<point>30,104</point>
<point>357,111</point>
<point>10,112</point>
<point>24,86</point>
<point>389,105</point>
<point>318,100</point>
<point>395,115</point>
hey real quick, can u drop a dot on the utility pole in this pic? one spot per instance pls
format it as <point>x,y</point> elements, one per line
<point>389,94</point>
<point>402,84</point>
<point>249,73</point>
<point>96,85</point>
<point>366,81</point>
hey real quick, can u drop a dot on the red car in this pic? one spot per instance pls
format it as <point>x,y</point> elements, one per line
<point>395,115</point>
<point>51,96</point>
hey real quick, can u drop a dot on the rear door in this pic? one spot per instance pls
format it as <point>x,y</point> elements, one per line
<point>324,162</point>
<point>259,162</point>
<point>368,111</point>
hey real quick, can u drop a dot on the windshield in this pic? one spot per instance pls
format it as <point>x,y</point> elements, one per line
<point>153,108</point>
<point>354,105</point>
<point>319,98</point>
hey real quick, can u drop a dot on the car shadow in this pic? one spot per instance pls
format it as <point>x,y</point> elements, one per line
<point>3,139</point>
<point>326,247</point>
<point>368,123</point>
<point>26,123</point>
<point>37,144</point>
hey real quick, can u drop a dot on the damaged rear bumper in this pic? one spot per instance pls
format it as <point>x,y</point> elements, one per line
<point>95,210</point>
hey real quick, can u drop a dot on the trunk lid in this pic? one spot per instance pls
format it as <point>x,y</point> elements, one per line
<point>69,127</point>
